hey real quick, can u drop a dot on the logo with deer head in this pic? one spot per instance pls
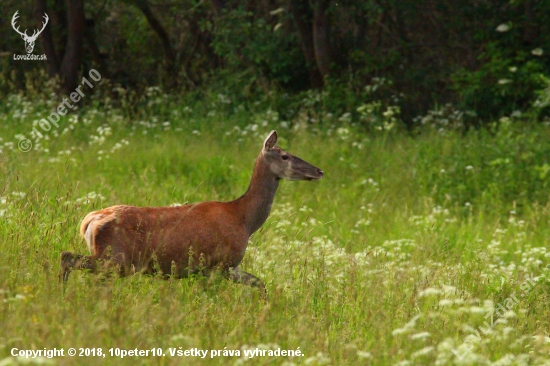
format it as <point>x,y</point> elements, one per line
<point>29,40</point>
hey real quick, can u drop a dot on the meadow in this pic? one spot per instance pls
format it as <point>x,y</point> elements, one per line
<point>424,248</point>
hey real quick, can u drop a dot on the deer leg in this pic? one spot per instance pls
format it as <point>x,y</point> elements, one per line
<point>71,261</point>
<point>239,276</point>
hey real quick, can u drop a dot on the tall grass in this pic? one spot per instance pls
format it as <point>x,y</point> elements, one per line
<point>394,258</point>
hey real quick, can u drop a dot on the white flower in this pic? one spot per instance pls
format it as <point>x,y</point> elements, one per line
<point>445,302</point>
<point>420,335</point>
<point>537,52</point>
<point>400,331</point>
<point>447,288</point>
<point>318,359</point>
<point>477,310</point>
<point>343,132</point>
<point>424,351</point>
<point>364,354</point>
<point>503,28</point>
<point>429,291</point>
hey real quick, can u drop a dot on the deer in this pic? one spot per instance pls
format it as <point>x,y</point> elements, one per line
<point>196,238</point>
<point>29,40</point>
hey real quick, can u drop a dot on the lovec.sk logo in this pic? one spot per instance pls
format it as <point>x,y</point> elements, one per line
<point>29,40</point>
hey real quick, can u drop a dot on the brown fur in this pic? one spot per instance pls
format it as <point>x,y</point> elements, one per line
<point>212,232</point>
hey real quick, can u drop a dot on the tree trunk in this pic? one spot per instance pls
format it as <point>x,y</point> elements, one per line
<point>46,41</point>
<point>320,36</point>
<point>73,53</point>
<point>530,31</point>
<point>58,15</point>
<point>302,16</point>
<point>168,51</point>
<point>219,5</point>
<point>97,56</point>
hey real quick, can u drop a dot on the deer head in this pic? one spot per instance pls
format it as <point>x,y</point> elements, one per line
<point>285,165</point>
<point>29,40</point>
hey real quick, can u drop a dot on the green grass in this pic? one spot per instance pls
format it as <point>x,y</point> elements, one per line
<point>394,258</point>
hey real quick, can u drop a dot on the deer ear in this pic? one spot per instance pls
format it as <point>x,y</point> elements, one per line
<point>270,141</point>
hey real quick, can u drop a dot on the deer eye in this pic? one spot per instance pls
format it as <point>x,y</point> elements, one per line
<point>285,157</point>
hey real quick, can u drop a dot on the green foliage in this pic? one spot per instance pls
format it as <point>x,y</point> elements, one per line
<point>505,82</point>
<point>542,101</point>
<point>508,164</point>
<point>256,52</point>
<point>487,57</point>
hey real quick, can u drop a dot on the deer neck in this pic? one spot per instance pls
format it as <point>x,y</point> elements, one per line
<point>255,204</point>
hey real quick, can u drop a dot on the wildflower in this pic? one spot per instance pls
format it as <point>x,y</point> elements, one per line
<point>429,291</point>
<point>421,335</point>
<point>503,28</point>
<point>364,354</point>
<point>445,302</point>
<point>424,351</point>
